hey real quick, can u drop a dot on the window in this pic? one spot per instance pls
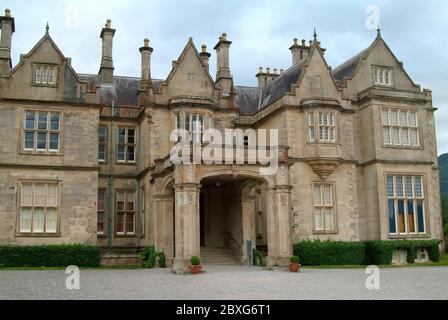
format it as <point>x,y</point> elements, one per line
<point>326,127</point>
<point>125,219</point>
<point>38,208</point>
<point>406,204</point>
<point>41,131</point>
<point>400,127</point>
<point>323,207</point>
<point>101,212</point>
<point>102,137</point>
<point>382,76</point>
<point>311,128</point>
<point>126,145</point>
<point>194,124</point>
<point>45,74</point>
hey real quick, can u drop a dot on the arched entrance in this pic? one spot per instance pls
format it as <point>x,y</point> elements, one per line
<point>232,211</point>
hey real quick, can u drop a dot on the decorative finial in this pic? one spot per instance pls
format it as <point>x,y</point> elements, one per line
<point>7,13</point>
<point>281,71</point>
<point>224,36</point>
<point>190,39</point>
<point>268,70</point>
<point>260,69</point>
<point>303,42</point>
<point>295,41</point>
<point>146,42</point>
<point>204,48</point>
<point>47,28</point>
<point>315,35</point>
<point>378,32</point>
<point>275,71</point>
<point>108,23</point>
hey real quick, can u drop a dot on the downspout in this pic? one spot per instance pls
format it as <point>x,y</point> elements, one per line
<point>110,182</point>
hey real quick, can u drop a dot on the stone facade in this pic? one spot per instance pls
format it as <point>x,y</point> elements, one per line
<point>357,152</point>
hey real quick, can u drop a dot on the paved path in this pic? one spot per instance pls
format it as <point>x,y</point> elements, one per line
<point>228,283</point>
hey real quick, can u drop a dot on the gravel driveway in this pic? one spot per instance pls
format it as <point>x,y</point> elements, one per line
<point>228,283</point>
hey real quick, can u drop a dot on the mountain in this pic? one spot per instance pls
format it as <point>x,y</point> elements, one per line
<point>443,164</point>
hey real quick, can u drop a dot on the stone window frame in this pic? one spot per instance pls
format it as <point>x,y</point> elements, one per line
<point>398,235</point>
<point>126,145</point>
<point>316,125</point>
<point>125,234</point>
<point>400,127</point>
<point>35,68</point>
<point>386,72</point>
<point>18,232</point>
<point>104,211</point>
<point>180,116</point>
<point>105,143</point>
<point>23,130</point>
<point>335,229</point>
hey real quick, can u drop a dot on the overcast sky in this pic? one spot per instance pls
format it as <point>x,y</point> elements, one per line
<point>261,32</point>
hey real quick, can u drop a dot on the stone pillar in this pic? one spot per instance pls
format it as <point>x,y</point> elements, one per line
<point>186,225</point>
<point>146,52</point>
<point>272,228</point>
<point>247,222</point>
<point>8,28</point>
<point>163,224</point>
<point>107,65</point>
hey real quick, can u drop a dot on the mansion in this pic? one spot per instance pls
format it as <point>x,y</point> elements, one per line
<point>85,158</point>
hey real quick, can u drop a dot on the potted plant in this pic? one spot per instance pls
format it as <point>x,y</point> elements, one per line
<point>294,266</point>
<point>195,265</point>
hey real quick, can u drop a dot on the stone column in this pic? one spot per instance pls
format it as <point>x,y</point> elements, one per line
<point>186,225</point>
<point>163,224</point>
<point>247,222</point>
<point>284,220</point>
<point>272,228</point>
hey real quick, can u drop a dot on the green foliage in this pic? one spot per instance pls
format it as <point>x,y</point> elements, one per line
<point>50,256</point>
<point>326,253</point>
<point>257,257</point>
<point>294,259</point>
<point>445,229</point>
<point>445,209</point>
<point>162,259</point>
<point>195,261</point>
<point>443,165</point>
<point>148,257</point>
<point>381,252</point>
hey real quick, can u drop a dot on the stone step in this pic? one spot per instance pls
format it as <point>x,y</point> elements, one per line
<point>218,256</point>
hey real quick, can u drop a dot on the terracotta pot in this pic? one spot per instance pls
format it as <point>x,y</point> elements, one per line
<point>196,269</point>
<point>294,267</point>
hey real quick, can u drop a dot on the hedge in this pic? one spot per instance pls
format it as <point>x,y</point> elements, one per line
<point>327,253</point>
<point>50,256</point>
<point>320,253</point>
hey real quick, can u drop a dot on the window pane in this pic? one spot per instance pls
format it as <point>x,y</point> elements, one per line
<point>54,121</point>
<point>52,195</point>
<point>130,202</point>
<point>178,122</point>
<point>25,220</point>
<point>42,122</point>
<point>399,186</point>
<point>328,216</point>
<point>54,141</point>
<point>401,222</point>
<point>29,140</point>
<point>385,117</point>
<point>38,74</point>
<point>317,197</point>
<point>405,136</point>
<point>415,137</point>
<point>390,186</point>
<point>409,189</point>
<point>396,136</point>
<point>392,224</point>
<point>120,201</point>
<point>100,223</point>
<point>413,119</point>
<point>121,154</point>
<point>101,197</point>
<point>327,195</point>
<point>188,122</point>
<point>131,154</point>
<point>38,220</point>
<point>131,136</point>
<point>121,136</point>
<point>403,118</point>
<point>394,117</point>
<point>318,220</point>
<point>39,194</point>
<point>41,141</point>
<point>102,134</point>
<point>386,135</point>
<point>29,122</point>
<point>44,75</point>
<point>120,223</point>
<point>310,119</point>
<point>130,223</point>
<point>101,152</point>
<point>418,187</point>
<point>421,216</point>
<point>411,219</point>
<point>27,194</point>
<point>51,222</point>
<point>311,133</point>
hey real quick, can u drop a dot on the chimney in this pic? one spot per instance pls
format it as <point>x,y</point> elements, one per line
<point>7,27</point>
<point>295,51</point>
<point>265,78</point>
<point>145,52</point>
<point>205,56</point>
<point>223,76</point>
<point>107,65</point>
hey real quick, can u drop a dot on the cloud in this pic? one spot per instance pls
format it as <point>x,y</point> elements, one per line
<point>261,32</point>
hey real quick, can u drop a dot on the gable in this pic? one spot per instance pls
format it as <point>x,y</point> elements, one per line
<point>189,77</point>
<point>20,82</point>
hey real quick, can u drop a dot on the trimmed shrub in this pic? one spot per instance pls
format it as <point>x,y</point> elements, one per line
<point>50,256</point>
<point>162,259</point>
<point>381,252</point>
<point>294,259</point>
<point>257,257</point>
<point>195,261</point>
<point>321,253</point>
<point>148,257</point>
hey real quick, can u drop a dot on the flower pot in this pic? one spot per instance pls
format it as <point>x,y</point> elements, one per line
<point>294,267</point>
<point>196,269</point>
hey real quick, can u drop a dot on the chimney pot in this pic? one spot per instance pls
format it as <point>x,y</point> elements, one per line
<point>275,71</point>
<point>281,71</point>
<point>7,13</point>
<point>303,42</point>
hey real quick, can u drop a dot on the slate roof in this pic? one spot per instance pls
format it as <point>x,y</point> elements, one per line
<point>282,84</point>
<point>247,98</point>
<point>348,68</point>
